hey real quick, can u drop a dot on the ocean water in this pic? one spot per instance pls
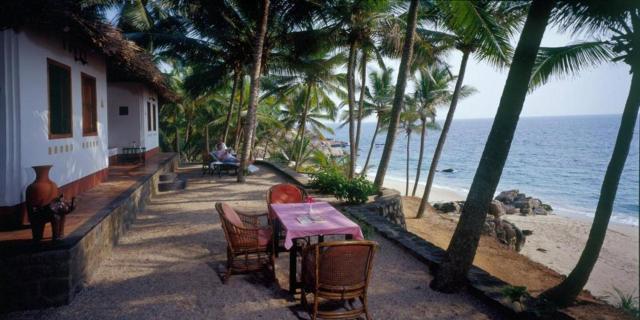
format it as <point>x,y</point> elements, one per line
<point>561,160</point>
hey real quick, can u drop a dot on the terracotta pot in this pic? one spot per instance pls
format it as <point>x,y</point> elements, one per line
<point>42,191</point>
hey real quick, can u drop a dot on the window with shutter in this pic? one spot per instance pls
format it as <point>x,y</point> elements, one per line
<point>149,116</point>
<point>155,117</point>
<point>89,106</point>
<point>59,86</point>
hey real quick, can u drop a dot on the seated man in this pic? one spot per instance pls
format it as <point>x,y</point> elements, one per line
<point>224,155</point>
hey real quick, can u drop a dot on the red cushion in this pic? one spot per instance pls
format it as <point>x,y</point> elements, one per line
<point>264,236</point>
<point>232,216</point>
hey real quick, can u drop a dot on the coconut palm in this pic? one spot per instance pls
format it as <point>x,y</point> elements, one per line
<point>356,25</point>
<point>398,100</point>
<point>409,123</point>
<point>315,76</point>
<point>451,275</point>
<point>432,91</point>
<point>622,19</point>
<point>480,28</point>
<point>380,95</point>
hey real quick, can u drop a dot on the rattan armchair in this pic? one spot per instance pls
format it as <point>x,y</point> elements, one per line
<point>338,270</point>
<point>248,244</point>
<point>282,193</point>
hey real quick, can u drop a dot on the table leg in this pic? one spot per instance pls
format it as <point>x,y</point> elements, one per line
<point>293,264</point>
<point>276,237</point>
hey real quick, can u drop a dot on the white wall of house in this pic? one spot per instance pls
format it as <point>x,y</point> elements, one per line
<point>125,129</point>
<point>24,94</point>
<point>132,128</point>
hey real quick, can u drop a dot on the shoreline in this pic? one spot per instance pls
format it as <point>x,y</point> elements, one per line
<point>558,240</point>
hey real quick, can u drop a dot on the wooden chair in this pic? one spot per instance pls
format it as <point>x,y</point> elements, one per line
<point>248,244</point>
<point>282,193</point>
<point>338,270</point>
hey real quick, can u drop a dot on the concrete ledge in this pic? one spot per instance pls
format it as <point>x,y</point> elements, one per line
<point>286,172</point>
<point>50,274</point>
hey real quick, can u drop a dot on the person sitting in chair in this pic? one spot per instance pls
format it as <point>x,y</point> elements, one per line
<point>224,155</point>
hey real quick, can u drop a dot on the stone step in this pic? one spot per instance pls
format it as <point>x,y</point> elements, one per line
<point>177,184</point>
<point>171,176</point>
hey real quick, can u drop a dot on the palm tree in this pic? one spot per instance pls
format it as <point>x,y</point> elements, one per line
<point>432,91</point>
<point>623,21</point>
<point>453,269</point>
<point>408,119</point>
<point>357,24</point>
<point>313,74</point>
<point>398,99</point>
<point>250,121</point>
<point>475,29</point>
<point>381,97</point>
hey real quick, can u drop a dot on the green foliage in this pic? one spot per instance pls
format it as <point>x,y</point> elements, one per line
<point>626,302</point>
<point>515,293</point>
<point>333,182</point>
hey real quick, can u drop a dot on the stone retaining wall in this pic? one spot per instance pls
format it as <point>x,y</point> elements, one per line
<point>49,278</point>
<point>387,204</point>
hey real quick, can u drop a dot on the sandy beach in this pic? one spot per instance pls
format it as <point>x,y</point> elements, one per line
<point>558,240</point>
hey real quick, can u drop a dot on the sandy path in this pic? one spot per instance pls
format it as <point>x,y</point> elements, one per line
<point>165,268</point>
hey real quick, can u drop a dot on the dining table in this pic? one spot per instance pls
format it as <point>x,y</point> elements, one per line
<point>302,220</point>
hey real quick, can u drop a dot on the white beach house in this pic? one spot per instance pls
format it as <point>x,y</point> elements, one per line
<point>72,94</point>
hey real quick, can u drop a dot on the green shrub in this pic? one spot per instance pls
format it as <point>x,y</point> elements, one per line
<point>333,182</point>
<point>627,302</point>
<point>328,182</point>
<point>358,190</point>
<point>515,293</point>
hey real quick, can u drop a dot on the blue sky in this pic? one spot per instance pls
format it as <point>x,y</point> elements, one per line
<point>599,90</point>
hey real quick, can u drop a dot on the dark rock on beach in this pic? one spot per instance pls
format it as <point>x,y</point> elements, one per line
<point>448,207</point>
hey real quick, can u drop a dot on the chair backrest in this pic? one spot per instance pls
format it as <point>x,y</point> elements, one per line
<point>285,193</point>
<point>340,265</point>
<point>228,214</point>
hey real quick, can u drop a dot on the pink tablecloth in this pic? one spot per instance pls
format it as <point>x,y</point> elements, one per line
<point>334,222</point>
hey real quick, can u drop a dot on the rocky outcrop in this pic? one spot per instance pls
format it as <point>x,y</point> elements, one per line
<point>518,203</point>
<point>453,207</point>
<point>505,231</point>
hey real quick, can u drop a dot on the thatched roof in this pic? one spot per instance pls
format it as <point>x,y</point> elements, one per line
<point>126,61</point>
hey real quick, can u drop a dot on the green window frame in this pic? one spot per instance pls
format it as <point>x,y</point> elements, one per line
<point>59,96</point>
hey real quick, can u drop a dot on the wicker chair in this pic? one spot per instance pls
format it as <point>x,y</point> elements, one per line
<point>248,244</point>
<point>282,193</point>
<point>338,270</point>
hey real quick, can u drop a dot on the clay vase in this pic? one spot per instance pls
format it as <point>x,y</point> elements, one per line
<point>40,193</point>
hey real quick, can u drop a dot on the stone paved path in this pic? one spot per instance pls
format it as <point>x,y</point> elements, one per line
<point>165,267</point>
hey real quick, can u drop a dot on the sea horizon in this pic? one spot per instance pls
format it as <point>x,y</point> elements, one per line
<point>558,159</point>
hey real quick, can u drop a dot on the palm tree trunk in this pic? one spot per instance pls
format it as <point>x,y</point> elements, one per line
<point>443,134</point>
<point>373,142</point>
<point>351,93</point>
<point>406,189</point>
<point>239,112</point>
<point>177,134</point>
<point>423,137</point>
<point>206,138</point>
<point>451,274</point>
<point>363,62</point>
<point>236,75</point>
<point>250,121</point>
<point>302,129</point>
<point>398,100</point>
<point>565,293</point>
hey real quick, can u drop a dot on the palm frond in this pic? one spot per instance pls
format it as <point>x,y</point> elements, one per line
<point>568,60</point>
